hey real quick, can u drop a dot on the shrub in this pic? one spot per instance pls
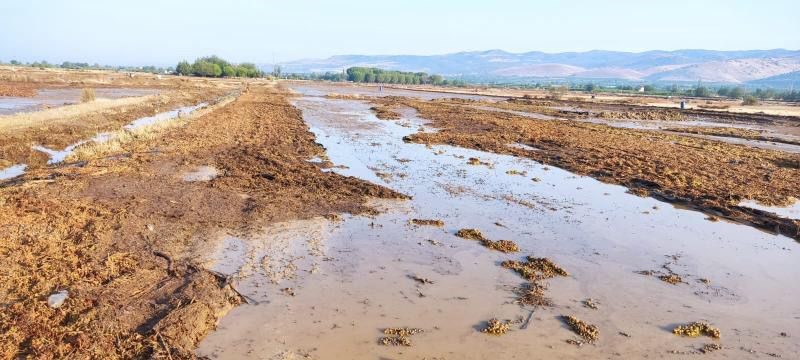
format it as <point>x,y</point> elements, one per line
<point>750,100</point>
<point>87,95</point>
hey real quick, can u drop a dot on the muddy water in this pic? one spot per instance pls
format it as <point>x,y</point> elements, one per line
<point>12,171</point>
<point>326,289</point>
<point>47,98</point>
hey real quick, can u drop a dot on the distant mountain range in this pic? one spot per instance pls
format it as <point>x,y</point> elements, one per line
<point>733,67</point>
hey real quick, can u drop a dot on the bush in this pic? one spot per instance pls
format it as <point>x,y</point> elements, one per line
<point>87,95</point>
<point>750,100</point>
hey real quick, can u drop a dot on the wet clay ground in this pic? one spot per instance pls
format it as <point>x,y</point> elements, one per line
<point>636,268</point>
<point>117,233</point>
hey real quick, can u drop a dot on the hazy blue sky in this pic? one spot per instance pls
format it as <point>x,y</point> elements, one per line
<point>162,32</point>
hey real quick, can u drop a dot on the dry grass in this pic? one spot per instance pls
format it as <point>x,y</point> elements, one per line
<point>66,113</point>
<point>88,95</point>
<point>118,139</point>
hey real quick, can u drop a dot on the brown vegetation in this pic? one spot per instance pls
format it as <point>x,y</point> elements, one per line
<point>118,233</point>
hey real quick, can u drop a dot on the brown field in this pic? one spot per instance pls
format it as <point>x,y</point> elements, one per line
<point>376,192</point>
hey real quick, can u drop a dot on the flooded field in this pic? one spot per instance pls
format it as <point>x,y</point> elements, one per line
<point>49,98</point>
<point>637,268</point>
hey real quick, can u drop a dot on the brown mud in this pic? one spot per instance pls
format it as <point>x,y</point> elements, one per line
<point>116,232</point>
<point>706,175</point>
<point>748,134</point>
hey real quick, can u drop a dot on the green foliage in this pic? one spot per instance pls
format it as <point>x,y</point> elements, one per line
<point>590,87</point>
<point>215,66</point>
<point>183,68</point>
<point>736,93</point>
<point>701,91</point>
<point>375,75</point>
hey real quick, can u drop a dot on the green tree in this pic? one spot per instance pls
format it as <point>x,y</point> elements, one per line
<point>184,68</point>
<point>736,93</point>
<point>228,71</point>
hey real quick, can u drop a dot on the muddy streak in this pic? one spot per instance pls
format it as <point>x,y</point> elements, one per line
<point>363,280</point>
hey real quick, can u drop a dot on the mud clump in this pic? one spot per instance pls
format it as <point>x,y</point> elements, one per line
<point>535,268</point>
<point>697,328</point>
<point>533,294</point>
<point>476,161</point>
<point>427,222</point>
<point>384,112</point>
<point>590,303</point>
<point>506,246</point>
<point>709,348</point>
<point>496,327</point>
<point>470,234</point>
<point>580,327</point>
<point>671,279</point>
<point>398,336</point>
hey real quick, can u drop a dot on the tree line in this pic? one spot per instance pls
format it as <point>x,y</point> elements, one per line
<point>380,76</point>
<point>86,66</point>
<point>214,66</point>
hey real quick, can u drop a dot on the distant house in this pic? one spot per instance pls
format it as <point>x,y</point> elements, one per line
<point>641,89</point>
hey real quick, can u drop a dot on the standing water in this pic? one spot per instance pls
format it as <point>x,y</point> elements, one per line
<point>326,289</point>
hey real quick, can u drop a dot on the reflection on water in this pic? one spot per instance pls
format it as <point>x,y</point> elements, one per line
<point>326,289</point>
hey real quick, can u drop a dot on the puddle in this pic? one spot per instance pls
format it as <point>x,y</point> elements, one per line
<point>201,173</point>
<point>167,115</point>
<point>12,171</point>
<point>789,212</point>
<point>57,156</point>
<point>47,98</point>
<point>340,283</point>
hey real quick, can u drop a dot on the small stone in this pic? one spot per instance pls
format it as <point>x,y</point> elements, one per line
<point>57,299</point>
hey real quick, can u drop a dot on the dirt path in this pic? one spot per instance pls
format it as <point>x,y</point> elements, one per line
<point>117,233</point>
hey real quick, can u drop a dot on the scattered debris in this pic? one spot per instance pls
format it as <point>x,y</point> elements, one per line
<point>535,268</point>
<point>428,222</point>
<point>532,294</point>
<point>696,329</point>
<point>506,246</point>
<point>476,161</point>
<point>288,291</point>
<point>398,336</point>
<point>517,172</point>
<point>497,327</point>
<point>590,303</point>
<point>421,280</point>
<point>709,348</point>
<point>585,330</point>
<point>575,342</point>
<point>470,234</point>
<point>671,278</point>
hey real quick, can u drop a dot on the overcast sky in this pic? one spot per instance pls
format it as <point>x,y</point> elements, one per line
<point>162,32</point>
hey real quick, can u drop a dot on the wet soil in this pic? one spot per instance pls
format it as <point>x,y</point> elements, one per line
<point>706,175</point>
<point>17,143</point>
<point>118,233</point>
<point>355,276</point>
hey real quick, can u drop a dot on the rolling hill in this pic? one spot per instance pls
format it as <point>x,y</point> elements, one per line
<point>652,66</point>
